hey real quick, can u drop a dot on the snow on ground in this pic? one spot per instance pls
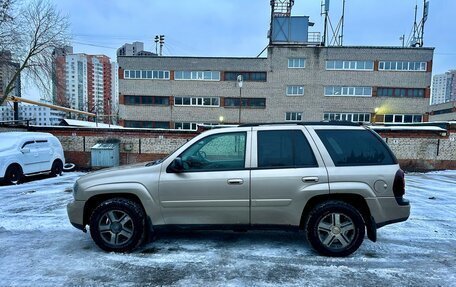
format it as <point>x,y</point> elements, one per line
<point>39,247</point>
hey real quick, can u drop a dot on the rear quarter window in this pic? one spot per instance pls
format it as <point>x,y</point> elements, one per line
<point>356,148</point>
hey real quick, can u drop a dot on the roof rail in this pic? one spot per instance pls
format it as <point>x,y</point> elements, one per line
<point>322,123</point>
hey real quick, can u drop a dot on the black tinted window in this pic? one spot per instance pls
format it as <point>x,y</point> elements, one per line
<point>284,149</point>
<point>355,147</point>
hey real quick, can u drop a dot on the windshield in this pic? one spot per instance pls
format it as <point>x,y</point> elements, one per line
<point>7,142</point>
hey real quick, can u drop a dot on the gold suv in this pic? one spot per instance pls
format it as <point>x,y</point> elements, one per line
<point>334,181</point>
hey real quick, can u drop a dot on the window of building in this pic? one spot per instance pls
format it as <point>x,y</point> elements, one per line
<point>246,76</point>
<point>217,152</point>
<point>400,92</point>
<point>403,118</point>
<point>295,90</point>
<point>197,101</point>
<point>252,103</point>
<point>146,74</point>
<point>190,126</point>
<point>402,66</point>
<point>444,111</point>
<point>297,63</point>
<point>146,124</point>
<point>197,75</point>
<point>355,148</point>
<point>146,100</point>
<point>350,117</point>
<point>284,149</point>
<point>349,65</point>
<point>348,91</point>
<point>293,116</point>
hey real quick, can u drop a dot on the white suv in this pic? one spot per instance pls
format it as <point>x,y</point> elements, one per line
<point>27,153</point>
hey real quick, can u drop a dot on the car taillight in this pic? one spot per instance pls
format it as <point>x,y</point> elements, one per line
<point>399,184</point>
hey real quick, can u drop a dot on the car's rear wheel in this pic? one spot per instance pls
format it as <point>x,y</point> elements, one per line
<point>57,167</point>
<point>335,228</point>
<point>118,225</point>
<point>13,174</point>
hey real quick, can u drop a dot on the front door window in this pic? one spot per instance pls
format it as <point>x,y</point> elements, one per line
<point>216,152</point>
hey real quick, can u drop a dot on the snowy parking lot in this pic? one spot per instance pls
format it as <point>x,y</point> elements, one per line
<point>40,247</point>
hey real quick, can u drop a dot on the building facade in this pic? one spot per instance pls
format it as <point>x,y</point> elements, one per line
<point>293,83</point>
<point>443,88</point>
<point>443,112</point>
<point>7,70</point>
<point>130,49</point>
<point>85,82</point>
<point>37,115</point>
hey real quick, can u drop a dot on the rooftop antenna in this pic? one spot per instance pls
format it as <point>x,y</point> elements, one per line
<point>337,33</point>
<point>417,39</point>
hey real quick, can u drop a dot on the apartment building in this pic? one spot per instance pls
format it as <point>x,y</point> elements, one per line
<point>443,88</point>
<point>37,115</point>
<point>7,70</point>
<point>85,82</point>
<point>293,83</point>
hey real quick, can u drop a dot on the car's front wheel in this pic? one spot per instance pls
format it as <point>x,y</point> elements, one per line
<point>335,228</point>
<point>118,225</point>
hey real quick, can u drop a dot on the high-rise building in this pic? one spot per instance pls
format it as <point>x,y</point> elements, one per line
<point>85,82</point>
<point>7,70</point>
<point>130,49</point>
<point>134,49</point>
<point>114,92</point>
<point>443,88</point>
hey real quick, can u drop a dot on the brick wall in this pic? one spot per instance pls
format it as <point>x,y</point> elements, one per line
<point>415,150</point>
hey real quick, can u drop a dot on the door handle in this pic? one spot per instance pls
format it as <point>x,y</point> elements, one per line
<point>235,181</point>
<point>310,179</point>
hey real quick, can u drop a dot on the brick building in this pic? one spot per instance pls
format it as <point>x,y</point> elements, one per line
<point>293,83</point>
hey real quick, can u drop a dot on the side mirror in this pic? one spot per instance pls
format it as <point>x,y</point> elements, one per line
<point>25,150</point>
<point>177,165</point>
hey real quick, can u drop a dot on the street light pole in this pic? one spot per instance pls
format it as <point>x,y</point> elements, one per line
<point>239,83</point>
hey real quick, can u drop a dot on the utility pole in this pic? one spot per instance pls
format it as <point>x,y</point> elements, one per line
<point>162,42</point>
<point>156,44</point>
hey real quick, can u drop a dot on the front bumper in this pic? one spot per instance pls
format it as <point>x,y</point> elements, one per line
<point>75,212</point>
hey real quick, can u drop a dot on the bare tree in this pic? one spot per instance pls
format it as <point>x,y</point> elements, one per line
<point>37,28</point>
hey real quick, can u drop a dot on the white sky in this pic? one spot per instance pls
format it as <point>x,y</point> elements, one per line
<point>239,27</point>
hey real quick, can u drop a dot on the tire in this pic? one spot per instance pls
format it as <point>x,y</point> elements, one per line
<point>118,225</point>
<point>335,228</point>
<point>13,174</point>
<point>57,168</point>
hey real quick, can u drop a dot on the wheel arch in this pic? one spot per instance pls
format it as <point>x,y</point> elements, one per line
<point>356,200</point>
<point>95,200</point>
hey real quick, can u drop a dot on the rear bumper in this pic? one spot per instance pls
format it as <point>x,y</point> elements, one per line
<point>75,212</point>
<point>387,210</point>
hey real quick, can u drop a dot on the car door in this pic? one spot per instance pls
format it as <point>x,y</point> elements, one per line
<point>44,151</point>
<point>287,171</point>
<point>213,186</point>
<point>29,156</point>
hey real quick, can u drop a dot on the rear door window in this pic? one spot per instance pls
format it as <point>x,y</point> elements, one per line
<point>284,148</point>
<point>356,147</point>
